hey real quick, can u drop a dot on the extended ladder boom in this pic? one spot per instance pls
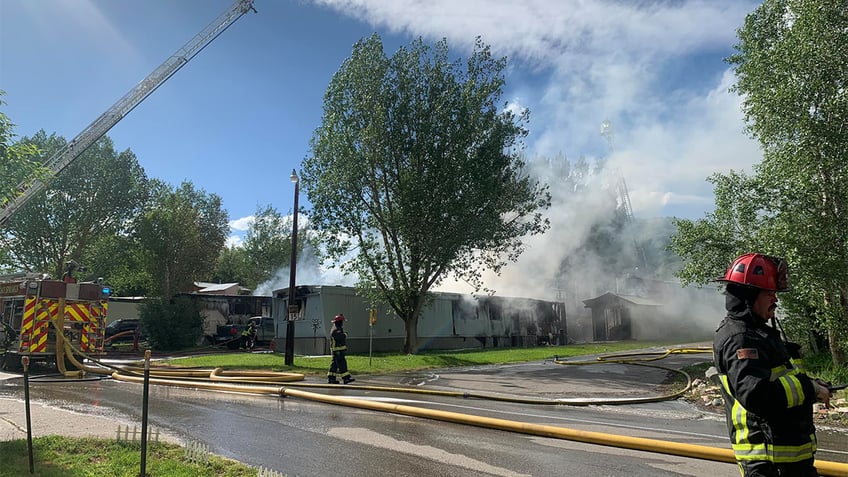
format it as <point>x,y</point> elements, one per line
<point>72,150</point>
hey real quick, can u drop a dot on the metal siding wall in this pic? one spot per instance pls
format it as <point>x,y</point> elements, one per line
<point>437,319</point>
<point>122,310</point>
<point>439,327</point>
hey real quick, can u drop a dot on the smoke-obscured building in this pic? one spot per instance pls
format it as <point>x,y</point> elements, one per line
<point>646,309</point>
<point>450,321</point>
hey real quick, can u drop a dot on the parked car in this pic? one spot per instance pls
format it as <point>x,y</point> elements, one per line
<point>123,331</point>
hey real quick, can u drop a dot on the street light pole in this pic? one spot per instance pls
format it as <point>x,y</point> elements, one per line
<point>292,308</point>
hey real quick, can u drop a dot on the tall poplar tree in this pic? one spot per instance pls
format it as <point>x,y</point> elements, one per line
<point>416,172</point>
<point>792,73</point>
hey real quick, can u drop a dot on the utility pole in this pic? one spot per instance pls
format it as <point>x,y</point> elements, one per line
<point>292,309</point>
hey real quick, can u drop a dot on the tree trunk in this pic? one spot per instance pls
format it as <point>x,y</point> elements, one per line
<point>837,350</point>
<point>410,342</point>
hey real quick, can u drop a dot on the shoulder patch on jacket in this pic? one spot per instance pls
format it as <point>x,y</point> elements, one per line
<point>747,353</point>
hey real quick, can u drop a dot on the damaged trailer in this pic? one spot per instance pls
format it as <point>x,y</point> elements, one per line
<point>450,321</point>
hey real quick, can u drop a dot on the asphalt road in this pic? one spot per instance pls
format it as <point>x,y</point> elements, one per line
<point>299,437</point>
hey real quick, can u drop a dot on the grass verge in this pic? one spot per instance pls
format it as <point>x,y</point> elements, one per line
<point>57,456</point>
<point>384,363</point>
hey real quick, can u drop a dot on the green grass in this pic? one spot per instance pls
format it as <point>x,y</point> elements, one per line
<point>56,456</point>
<point>821,366</point>
<point>391,363</point>
<point>818,365</point>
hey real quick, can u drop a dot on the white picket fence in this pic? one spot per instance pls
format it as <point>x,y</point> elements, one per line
<point>263,472</point>
<point>197,452</point>
<point>124,434</point>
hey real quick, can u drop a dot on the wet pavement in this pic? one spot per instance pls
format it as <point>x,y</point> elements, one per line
<point>294,436</point>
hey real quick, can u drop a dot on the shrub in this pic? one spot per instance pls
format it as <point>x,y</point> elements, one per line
<point>172,325</point>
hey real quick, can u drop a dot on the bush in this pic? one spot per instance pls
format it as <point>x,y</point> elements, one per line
<point>172,325</point>
<point>821,365</point>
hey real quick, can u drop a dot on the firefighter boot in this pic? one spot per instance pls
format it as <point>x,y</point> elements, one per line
<point>332,380</point>
<point>348,380</point>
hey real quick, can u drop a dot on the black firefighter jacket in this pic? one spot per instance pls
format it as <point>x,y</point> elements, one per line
<point>338,340</point>
<point>767,394</point>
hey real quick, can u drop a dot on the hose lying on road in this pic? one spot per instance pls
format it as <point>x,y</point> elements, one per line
<point>636,359</point>
<point>272,377</point>
<point>695,451</point>
<point>197,375</point>
<point>261,382</point>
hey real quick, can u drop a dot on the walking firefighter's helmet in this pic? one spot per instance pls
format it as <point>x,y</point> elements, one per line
<point>757,270</point>
<point>339,318</point>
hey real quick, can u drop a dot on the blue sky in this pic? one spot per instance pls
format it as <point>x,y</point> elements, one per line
<point>238,117</point>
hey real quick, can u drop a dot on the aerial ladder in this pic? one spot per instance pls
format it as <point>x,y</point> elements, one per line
<point>100,126</point>
<point>623,196</point>
<point>621,185</point>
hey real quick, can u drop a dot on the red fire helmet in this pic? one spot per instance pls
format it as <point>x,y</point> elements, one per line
<point>759,271</point>
<point>339,318</point>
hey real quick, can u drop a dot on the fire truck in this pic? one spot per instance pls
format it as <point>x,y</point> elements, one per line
<point>33,309</point>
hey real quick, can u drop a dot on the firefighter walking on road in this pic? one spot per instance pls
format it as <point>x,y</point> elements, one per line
<point>338,348</point>
<point>768,396</point>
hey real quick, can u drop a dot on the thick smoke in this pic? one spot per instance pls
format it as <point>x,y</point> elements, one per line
<point>309,271</point>
<point>559,266</point>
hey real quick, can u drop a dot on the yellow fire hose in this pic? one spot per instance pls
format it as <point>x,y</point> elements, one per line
<point>261,382</point>
<point>695,451</point>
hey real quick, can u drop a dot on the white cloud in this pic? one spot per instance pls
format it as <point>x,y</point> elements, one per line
<point>233,241</point>
<point>653,68</point>
<point>515,107</point>
<point>595,60</point>
<point>237,229</point>
<point>243,223</point>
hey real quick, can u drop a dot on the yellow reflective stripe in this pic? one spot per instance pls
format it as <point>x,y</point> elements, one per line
<point>744,450</point>
<point>778,372</point>
<point>790,383</point>
<point>794,453</point>
<point>750,452</point>
<point>723,378</point>
<point>338,348</point>
<point>775,453</point>
<point>739,416</point>
<point>798,364</point>
<point>740,422</point>
<point>793,390</point>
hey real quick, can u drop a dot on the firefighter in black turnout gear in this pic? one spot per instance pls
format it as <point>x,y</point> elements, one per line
<point>768,396</point>
<point>248,336</point>
<point>338,348</point>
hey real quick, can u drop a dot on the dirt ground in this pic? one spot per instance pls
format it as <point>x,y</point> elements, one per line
<point>708,398</point>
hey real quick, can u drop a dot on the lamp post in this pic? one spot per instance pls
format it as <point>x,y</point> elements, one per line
<point>292,309</point>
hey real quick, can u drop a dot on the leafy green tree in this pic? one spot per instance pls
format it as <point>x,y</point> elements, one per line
<point>708,245</point>
<point>181,233</point>
<point>265,251</point>
<point>120,261</point>
<point>268,243</point>
<point>792,70</point>
<point>417,172</point>
<point>96,196</point>
<point>19,162</point>
<point>233,266</point>
<point>791,67</point>
<point>171,324</point>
